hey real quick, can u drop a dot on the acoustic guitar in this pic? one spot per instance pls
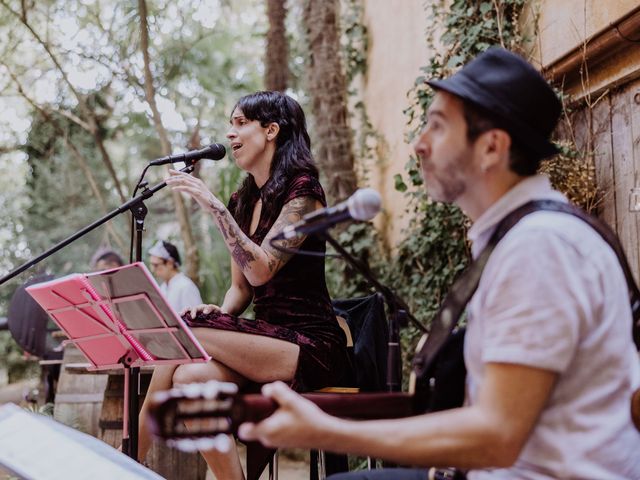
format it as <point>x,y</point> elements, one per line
<point>214,408</point>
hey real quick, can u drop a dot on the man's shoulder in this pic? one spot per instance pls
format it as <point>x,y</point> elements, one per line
<point>559,228</point>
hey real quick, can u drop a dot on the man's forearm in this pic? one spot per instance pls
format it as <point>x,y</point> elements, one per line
<point>461,437</point>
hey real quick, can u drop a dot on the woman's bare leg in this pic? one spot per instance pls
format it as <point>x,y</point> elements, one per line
<point>237,357</point>
<point>161,379</point>
<point>256,357</point>
<point>224,465</point>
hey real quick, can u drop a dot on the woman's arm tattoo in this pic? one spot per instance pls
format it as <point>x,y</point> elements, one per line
<point>239,244</point>
<point>291,213</point>
<point>243,250</point>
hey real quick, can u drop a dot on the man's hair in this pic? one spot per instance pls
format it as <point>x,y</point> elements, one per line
<point>173,252</point>
<point>111,257</point>
<point>480,120</point>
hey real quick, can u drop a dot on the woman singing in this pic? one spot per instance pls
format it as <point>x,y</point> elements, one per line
<point>295,336</point>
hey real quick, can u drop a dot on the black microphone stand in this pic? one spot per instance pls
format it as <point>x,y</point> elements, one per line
<point>398,314</point>
<point>132,374</point>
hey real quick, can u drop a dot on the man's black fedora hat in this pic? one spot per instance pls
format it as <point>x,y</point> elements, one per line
<point>507,86</point>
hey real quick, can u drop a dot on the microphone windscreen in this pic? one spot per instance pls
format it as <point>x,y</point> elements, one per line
<point>216,151</point>
<point>364,204</point>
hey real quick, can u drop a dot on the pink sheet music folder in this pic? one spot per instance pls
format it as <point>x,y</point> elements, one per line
<point>119,314</point>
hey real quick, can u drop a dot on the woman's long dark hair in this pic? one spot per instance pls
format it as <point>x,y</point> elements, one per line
<point>291,158</point>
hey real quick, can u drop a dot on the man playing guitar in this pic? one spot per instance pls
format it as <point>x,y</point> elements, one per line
<point>550,359</point>
<point>549,353</point>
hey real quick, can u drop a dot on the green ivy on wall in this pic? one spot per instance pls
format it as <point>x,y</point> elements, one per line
<point>434,249</point>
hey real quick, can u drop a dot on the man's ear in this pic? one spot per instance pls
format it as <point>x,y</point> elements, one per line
<point>494,145</point>
<point>272,131</point>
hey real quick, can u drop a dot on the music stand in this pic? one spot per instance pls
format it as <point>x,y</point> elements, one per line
<point>118,318</point>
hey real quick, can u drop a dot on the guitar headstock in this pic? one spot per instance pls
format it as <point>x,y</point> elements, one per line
<point>197,416</point>
<point>200,416</point>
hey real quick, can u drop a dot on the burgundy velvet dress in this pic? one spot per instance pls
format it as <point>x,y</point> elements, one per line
<point>294,305</point>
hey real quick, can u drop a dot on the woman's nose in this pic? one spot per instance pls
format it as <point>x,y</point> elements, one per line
<point>231,133</point>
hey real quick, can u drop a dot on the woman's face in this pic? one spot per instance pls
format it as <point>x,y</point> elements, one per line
<point>249,141</point>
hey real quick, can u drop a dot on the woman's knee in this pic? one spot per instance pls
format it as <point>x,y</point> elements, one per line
<point>202,372</point>
<point>190,373</point>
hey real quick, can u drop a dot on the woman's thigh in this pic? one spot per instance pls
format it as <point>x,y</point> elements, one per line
<point>256,357</point>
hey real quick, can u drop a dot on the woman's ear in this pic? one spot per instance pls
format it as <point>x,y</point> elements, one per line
<point>272,131</point>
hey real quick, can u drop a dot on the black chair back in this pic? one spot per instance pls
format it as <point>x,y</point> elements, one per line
<point>370,332</point>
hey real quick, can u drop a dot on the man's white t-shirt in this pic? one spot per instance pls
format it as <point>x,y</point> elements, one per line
<point>553,296</point>
<point>181,292</point>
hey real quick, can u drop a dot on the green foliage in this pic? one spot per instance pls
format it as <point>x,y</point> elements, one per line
<point>59,197</point>
<point>434,250</point>
<point>467,27</point>
<point>354,39</point>
<point>362,241</point>
<point>202,59</point>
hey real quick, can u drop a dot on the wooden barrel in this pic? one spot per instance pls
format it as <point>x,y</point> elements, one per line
<point>78,399</point>
<point>170,463</point>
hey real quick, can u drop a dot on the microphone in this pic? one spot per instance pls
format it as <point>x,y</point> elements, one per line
<point>364,204</point>
<point>215,151</point>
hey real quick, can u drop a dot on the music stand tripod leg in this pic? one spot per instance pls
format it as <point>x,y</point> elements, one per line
<point>130,409</point>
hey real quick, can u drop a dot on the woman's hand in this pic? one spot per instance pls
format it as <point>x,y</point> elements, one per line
<point>183,182</point>
<point>204,308</point>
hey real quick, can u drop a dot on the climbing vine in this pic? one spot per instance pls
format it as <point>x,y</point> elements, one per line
<point>434,249</point>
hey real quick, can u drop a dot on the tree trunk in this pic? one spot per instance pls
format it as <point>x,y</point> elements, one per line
<point>328,91</point>
<point>191,252</point>
<point>276,72</point>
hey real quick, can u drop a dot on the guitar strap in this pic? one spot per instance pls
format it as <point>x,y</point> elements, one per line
<point>465,286</point>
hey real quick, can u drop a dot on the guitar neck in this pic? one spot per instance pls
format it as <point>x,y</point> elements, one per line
<point>361,406</point>
<point>193,412</point>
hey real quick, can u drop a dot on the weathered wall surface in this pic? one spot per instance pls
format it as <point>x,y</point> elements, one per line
<point>569,24</point>
<point>397,50</point>
<point>396,30</point>
<point>564,24</point>
<point>606,122</point>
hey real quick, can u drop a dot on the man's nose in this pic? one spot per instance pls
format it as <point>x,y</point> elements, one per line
<point>421,148</point>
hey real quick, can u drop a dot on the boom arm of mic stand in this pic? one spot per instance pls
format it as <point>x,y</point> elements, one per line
<point>392,299</point>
